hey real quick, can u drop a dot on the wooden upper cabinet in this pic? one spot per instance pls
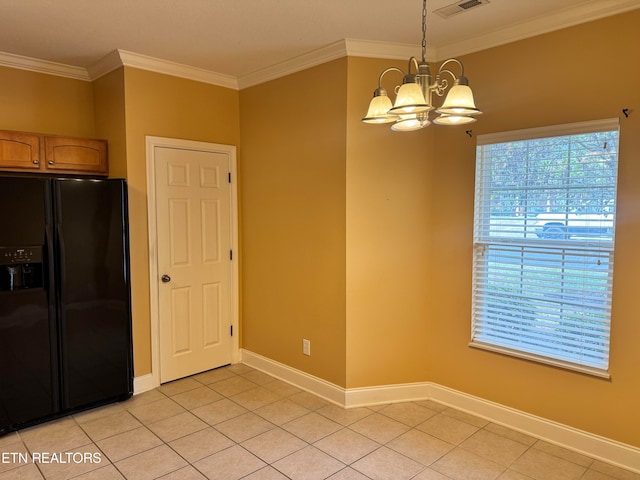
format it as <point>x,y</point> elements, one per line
<point>75,155</point>
<point>32,152</point>
<point>19,151</point>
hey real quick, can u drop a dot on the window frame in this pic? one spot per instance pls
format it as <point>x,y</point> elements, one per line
<point>483,241</point>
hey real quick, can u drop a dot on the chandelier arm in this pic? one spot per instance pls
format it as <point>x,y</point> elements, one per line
<point>441,69</point>
<point>441,84</point>
<point>446,70</point>
<point>387,70</point>
<point>413,61</point>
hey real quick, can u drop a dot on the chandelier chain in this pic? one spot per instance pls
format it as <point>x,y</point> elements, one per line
<point>424,30</point>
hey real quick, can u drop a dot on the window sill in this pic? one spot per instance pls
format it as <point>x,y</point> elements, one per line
<point>596,372</point>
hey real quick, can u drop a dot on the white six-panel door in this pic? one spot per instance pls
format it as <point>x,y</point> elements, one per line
<point>194,267</point>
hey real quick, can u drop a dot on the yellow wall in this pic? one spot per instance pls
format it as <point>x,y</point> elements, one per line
<point>293,219</point>
<point>387,242</point>
<point>582,73</point>
<point>35,102</point>
<point>109,106</point>
<point>164,106</point>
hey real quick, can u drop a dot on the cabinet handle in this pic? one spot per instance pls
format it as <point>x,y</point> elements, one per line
<point>51,162</point>
<point>36,161</point>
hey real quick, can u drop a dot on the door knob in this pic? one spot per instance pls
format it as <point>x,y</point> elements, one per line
<point>165,278</point>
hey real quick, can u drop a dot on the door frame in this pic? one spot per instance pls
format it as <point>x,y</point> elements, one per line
<point>154,283</point>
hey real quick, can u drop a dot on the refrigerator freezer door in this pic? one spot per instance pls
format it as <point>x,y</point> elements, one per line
<point>28,376</point>
<point>94,317</point>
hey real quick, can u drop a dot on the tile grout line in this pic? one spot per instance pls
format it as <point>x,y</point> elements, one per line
<point>342,424</point>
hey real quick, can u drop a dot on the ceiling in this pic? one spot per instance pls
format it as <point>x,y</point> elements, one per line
<point>241,37</point>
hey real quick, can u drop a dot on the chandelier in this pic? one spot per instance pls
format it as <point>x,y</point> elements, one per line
<point>413,103</point>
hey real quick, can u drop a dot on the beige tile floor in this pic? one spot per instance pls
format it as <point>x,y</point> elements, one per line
<point>238,423</point>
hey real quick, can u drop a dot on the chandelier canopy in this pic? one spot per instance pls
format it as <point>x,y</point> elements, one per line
<point>413,102</point>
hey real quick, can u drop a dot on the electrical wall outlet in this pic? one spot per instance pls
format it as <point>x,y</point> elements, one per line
<point>306,346</point>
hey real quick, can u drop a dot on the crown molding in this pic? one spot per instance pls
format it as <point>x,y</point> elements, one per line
<point>301,62</point>
<point>566,18</point>
<point>384,50</point>
<point>144,62</point>
<point>43,66</point>
<point>120,58</point>
<point>348,47</point>
<point>113,61</point>
<point>105,65</point>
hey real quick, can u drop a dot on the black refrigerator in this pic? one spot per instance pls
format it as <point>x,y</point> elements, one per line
<point>65,303</point>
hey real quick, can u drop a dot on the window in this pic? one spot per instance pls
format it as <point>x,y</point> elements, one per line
<point>544,227</point>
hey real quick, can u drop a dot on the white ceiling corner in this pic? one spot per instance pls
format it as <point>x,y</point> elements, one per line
<point>105,65</point>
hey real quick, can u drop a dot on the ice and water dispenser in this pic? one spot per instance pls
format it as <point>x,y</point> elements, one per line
<point>21,268</point>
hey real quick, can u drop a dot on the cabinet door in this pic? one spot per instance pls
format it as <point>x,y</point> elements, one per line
<point>76,155</point>
<point>19,151</point>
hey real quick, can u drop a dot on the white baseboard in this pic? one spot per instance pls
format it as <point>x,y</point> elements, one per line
<point>143,383</point>
<point>406,392</point>
<point>595,446</point>
<point>300,379</point>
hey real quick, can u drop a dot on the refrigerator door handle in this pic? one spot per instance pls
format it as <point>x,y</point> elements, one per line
<point>61,263</point>
<point>48,252</point>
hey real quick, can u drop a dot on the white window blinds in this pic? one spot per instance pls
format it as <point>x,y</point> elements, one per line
<point>543,243</point>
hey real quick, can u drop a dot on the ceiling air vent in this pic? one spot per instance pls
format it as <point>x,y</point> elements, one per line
<point>459,7</point>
